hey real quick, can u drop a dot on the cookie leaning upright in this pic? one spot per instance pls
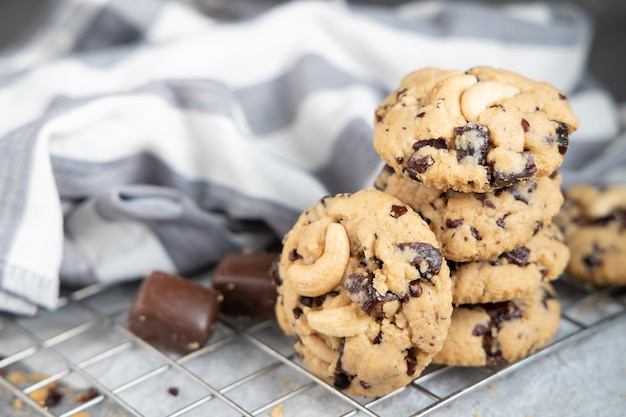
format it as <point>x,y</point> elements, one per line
<point>477,131</point>
<point>363,286</point>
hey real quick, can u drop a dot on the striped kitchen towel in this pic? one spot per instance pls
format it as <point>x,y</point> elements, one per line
<point>151,135</point>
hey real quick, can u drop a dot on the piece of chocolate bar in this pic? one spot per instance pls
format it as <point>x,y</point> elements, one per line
<point>174,313</point>
<point>245,281</point>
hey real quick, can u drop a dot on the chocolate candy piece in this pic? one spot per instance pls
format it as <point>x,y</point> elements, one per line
<point>246,283</point>
<point>174,313</point>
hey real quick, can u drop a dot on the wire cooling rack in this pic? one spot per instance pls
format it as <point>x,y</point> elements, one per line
<point>247,368</point>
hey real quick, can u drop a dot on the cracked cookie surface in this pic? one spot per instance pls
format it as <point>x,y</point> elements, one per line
<point>383,308</point>
<point>593,221</point>
<point>473,226</point>
<point>511,274</point>
<point>476,131</point>
<point>503,332</point>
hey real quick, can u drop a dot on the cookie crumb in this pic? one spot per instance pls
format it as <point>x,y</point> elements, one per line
<point>173,391</point>
<point>86,395</point>
<point>18,404</point>
<point>277,411</point>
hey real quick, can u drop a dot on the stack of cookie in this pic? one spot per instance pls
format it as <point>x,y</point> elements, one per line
<point>476,155</point>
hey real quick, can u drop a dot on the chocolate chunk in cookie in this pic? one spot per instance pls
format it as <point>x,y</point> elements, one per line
<point>502,332</point>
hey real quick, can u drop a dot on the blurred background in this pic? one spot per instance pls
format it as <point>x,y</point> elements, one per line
<point>607,60</point>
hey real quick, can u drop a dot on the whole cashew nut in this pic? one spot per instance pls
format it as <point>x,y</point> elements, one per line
<point>608,201</point>
<point>482,95</point>
<point>340,322</point>
<point>452,90</point>
<point>322,276</point>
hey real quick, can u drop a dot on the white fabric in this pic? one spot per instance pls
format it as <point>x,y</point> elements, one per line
<point>200,136</point>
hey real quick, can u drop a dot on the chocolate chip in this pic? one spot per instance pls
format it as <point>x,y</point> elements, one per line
<point>501,221</point>
<point>594,259</point>
<point>498,314</point>
<point>484,200</point>
<point>521,194</point>
<point>525,125</point>
<point>495,357</point>
<point>54,397</point>
<point>388,169</point>
<point>538,226</point>
<point>562,137</point>
<point>517,256</point>
<point>306,301</point>
<point>453,224</point>
<point>419,165</point>
<point>342,380</point>
<point>617,216</point>
<point>411,362</point>
<point>365,385</point>
<point>361,290</point>
<point>173,391</point>
<point>475,233</point>
<point>420,115</point>
<point>472,140</point>
<point>397,211</point>
<point>502,311</point>
<point>415,289</point>
<point>501,179</point>
<point>547,296</point>
<point>378,339</point>
<point>293,255</point>
<point>440,143</point>
<point>87,395</point>
<point>297,313</point>
<point>562,96</point>
<point>427,258</point>
<point>480,330</point>
<point>399,160</point>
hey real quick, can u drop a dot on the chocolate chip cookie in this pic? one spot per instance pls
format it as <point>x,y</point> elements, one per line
<point>477,131</point>
<point>593,220</point>
<point>494,333</point>
<point>511,274</point>
<point>365,290</point>
<point>472,226</point>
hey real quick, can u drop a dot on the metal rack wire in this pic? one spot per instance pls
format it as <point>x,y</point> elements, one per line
<point>247,368</point>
